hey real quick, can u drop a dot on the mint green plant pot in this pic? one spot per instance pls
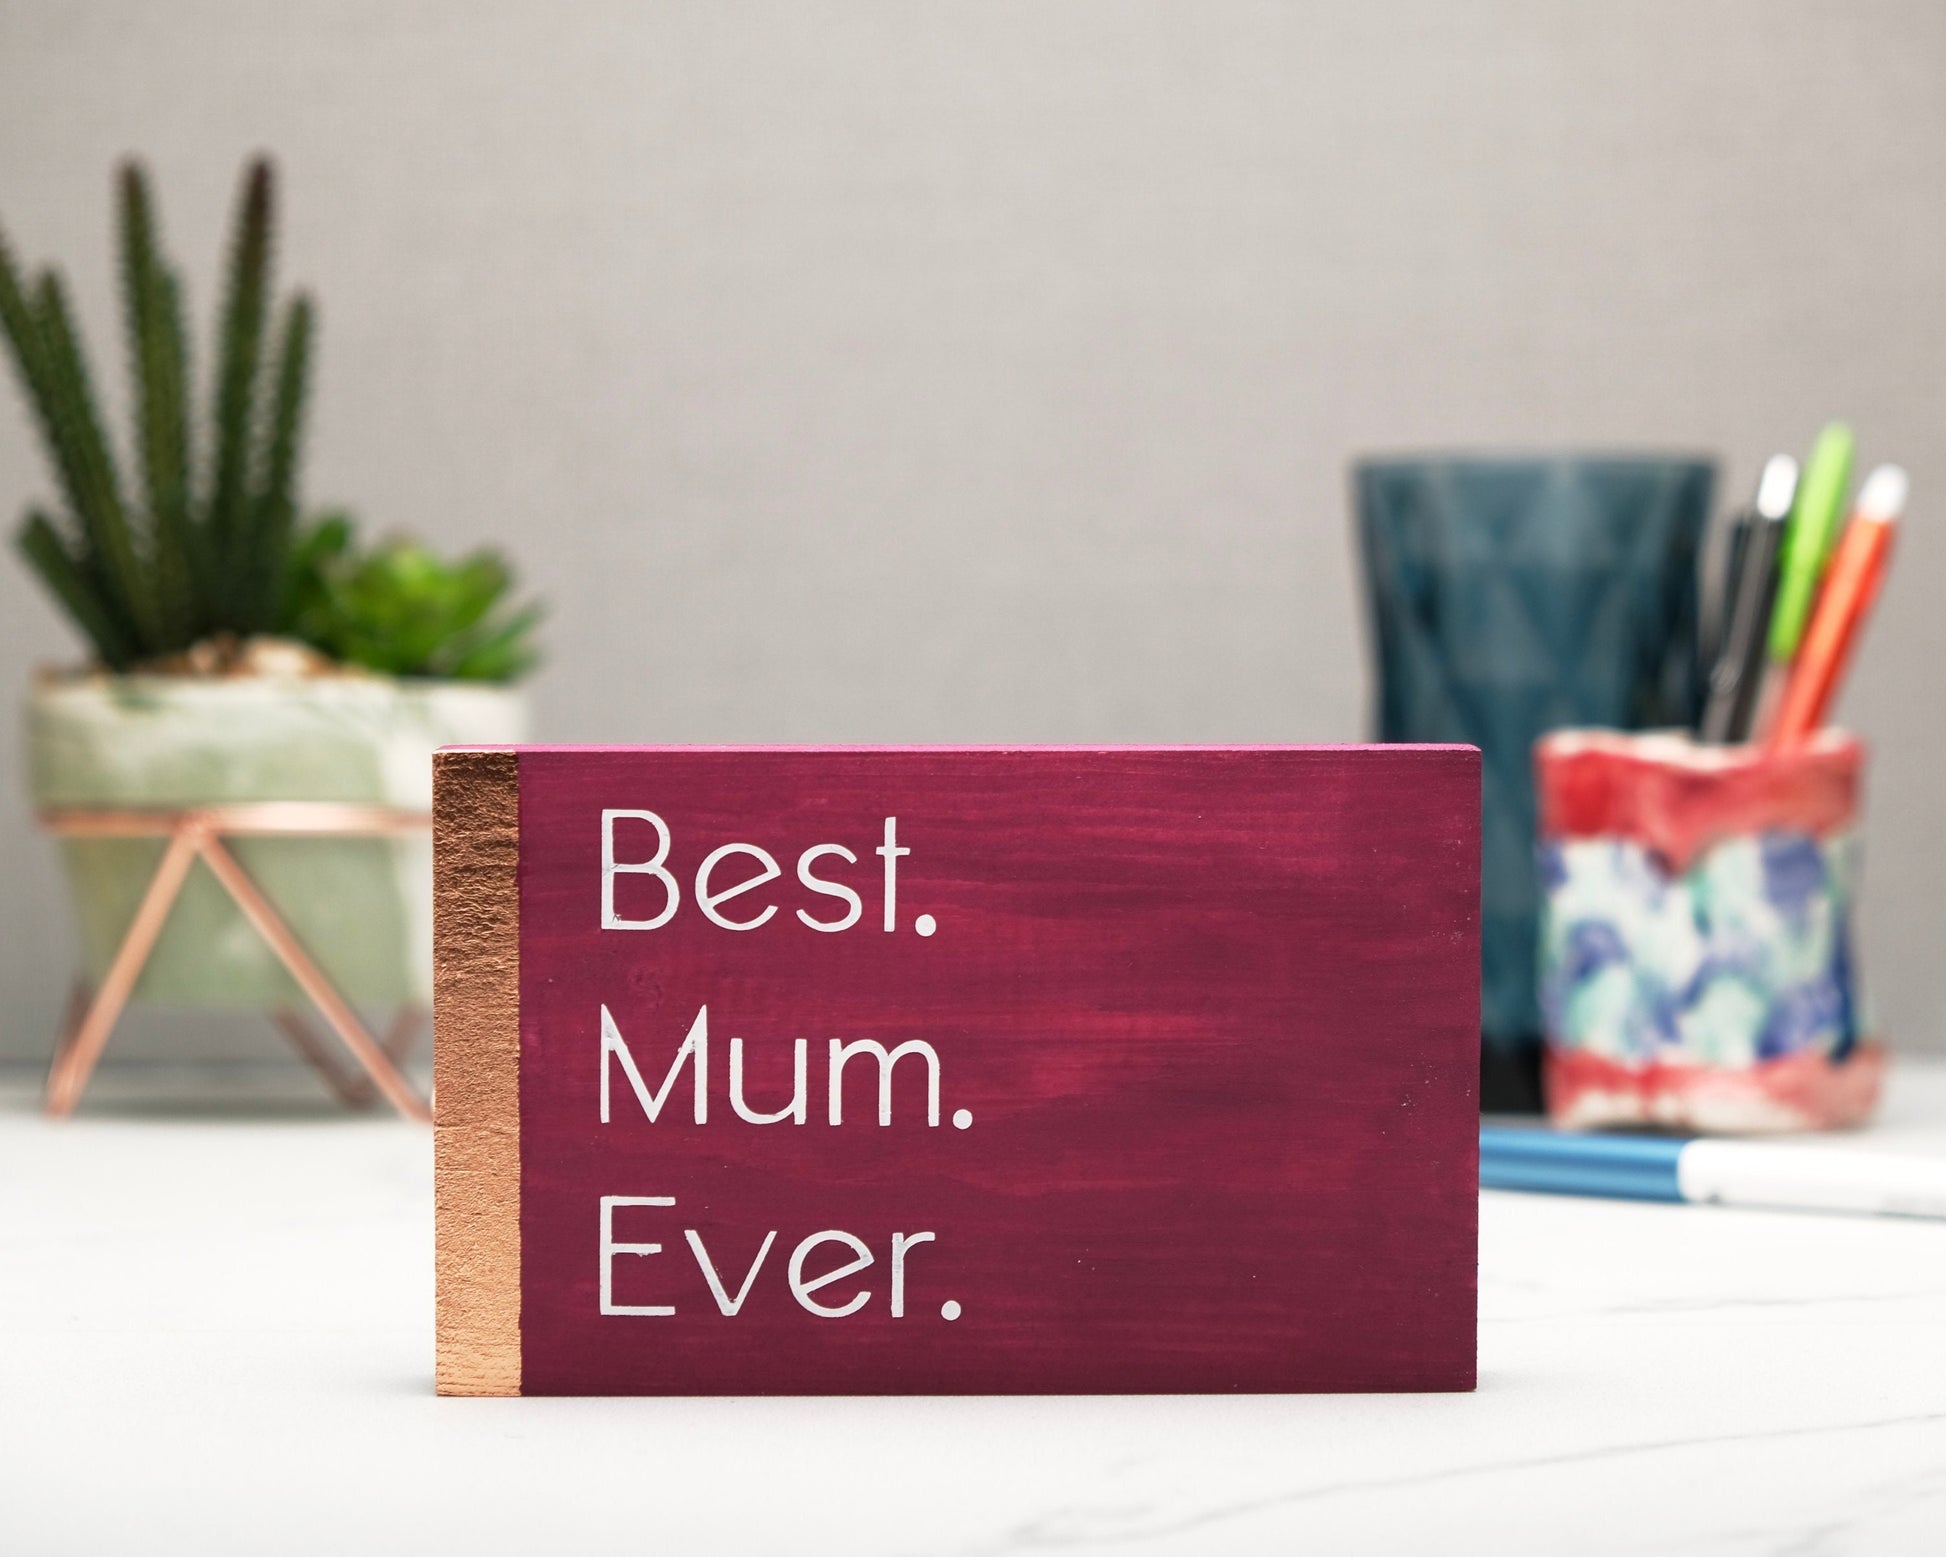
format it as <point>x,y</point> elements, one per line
<point>361,907</point>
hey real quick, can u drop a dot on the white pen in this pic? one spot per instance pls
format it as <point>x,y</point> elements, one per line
<point>1718,1172</point>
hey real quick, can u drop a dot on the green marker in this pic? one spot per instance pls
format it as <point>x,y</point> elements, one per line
<point>1815,522</point>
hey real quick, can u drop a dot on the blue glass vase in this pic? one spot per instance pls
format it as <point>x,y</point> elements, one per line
<point>1510,597</point>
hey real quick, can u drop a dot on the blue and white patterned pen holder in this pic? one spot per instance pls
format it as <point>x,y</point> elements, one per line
<point>1698,968</point>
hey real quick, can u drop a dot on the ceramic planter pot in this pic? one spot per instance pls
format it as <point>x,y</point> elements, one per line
<point>361,906</point>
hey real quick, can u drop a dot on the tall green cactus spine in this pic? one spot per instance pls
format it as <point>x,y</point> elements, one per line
<point>30,357</point>
<point>159,370</point>
<point>70,570</point>
<point>94,487</point>
<point>41,544</point>
<point>274,511</point>
<point>241,350</point>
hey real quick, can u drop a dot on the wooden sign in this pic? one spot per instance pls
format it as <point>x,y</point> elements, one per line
<point>861,1070</point>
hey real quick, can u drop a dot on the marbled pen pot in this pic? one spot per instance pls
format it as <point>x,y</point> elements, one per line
<point>1697,955</point>
<point>360,906</point>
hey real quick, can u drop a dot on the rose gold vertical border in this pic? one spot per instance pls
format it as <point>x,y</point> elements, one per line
<point>476,1069</point>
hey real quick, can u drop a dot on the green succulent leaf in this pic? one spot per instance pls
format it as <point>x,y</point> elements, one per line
<point>400,609</point>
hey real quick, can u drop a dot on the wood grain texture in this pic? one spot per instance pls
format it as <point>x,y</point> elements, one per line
<point>1211,1015</point>
<point>476,1070</point>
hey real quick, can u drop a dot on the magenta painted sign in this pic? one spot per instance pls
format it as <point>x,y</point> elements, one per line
<point>1023,1070</point>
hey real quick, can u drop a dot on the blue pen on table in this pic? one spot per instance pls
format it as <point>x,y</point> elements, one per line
<point>1731,1173</point>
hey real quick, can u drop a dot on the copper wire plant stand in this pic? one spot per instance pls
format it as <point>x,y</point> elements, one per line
<point>198,832</point>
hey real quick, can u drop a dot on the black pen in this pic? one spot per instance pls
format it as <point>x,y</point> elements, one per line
<point>1713,628</point>
<point>1738,672</point>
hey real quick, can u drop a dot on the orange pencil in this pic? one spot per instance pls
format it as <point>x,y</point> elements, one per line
<point>1851,584</point>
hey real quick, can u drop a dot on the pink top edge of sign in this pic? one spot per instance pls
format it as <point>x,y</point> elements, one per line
<point>1267,746</point>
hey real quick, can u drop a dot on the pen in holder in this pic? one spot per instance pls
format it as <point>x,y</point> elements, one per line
<point>1696,937</point>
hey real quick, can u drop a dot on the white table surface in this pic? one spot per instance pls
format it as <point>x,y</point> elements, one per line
<point>216,1336</point>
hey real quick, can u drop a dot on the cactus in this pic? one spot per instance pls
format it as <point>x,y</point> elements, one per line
<point>185,563</point>
<point>160,356</point>
<point>148,573</point>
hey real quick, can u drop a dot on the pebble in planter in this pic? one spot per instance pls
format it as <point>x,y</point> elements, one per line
<point>240,654</point>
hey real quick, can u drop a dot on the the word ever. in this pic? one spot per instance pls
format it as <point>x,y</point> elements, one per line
<point>802,1287</point>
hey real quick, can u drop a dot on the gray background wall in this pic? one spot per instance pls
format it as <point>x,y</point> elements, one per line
<point>989,372</point>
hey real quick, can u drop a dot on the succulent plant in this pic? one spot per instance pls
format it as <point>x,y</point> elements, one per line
<point>197,546</point>
<point>398,609</point>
